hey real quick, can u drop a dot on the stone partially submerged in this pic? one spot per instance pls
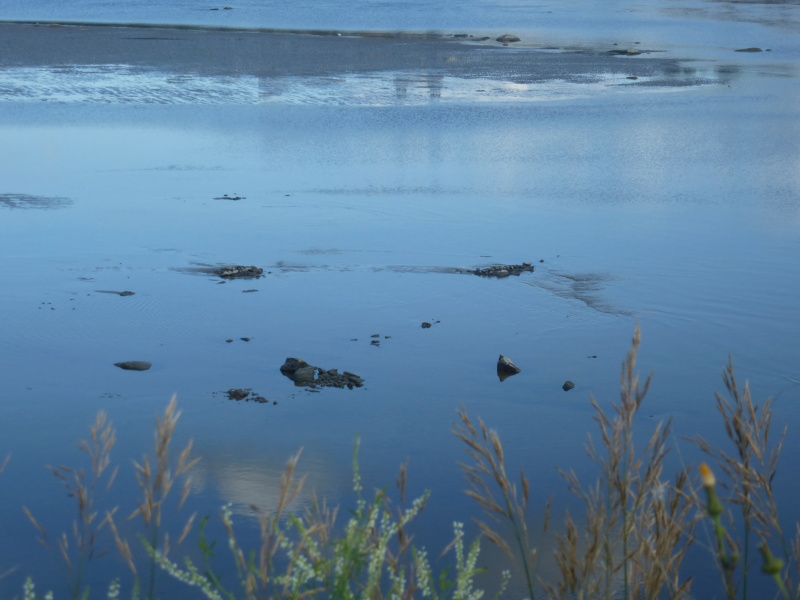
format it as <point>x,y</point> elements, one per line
<point>239,272</point>
<point>500,271</point>
<point>506,368</point>
<point>134,365</point>
<point>306,375</point>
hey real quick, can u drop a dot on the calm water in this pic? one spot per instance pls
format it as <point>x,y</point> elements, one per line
<point>673,203</point>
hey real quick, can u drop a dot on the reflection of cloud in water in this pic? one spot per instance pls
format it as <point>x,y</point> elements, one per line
<point>584,287</point>
<point>248,481</point>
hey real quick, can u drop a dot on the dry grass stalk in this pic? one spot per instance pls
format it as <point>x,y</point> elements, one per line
<point>750,470</point>
<point>83,487</point>
<point>486,477</point>
<point>258,579</point>
<point>156,480</point>
<point>637,527</point>
<point>3,466</point>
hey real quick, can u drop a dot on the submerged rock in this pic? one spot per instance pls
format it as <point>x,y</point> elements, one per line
<point>305,375</point>
<point>568,385</point>
<point>749,50</point>
<point>239,272</point>
<point>507,38</point>
<point>134,365</point>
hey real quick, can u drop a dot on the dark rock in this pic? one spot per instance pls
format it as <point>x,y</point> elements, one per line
<point>503,270</point>
<point>482,39</point>
<point>749,50</point>
<point>134,365</point>
<point>248,291</point>
<point>507,38</point>
<point>237,394</point>
<point>239,272</point>
<point>505,365</point>
<point>375,335</point>
<point>305,375</point>
<point>628,52</point>
<point>229,341</point>
<point>375,342</point>
<point>568,385</point>
<point>245,339</point>
<point>426,325</point>
<point>126,293</point>
<point>292,364</point>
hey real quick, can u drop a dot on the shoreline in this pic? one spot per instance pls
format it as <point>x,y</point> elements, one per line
<point>362,33</point>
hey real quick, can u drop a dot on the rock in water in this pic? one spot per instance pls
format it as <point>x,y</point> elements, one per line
<point>292,364</point>
<point>239,271</point>
<point>568,385</point>
<point>237,394</point>
<point>506,368</point>
<point>305,375</point>
<point>134,365</point>
<point>507,38</point>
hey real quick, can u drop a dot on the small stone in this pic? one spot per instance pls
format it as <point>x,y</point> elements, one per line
<point>568,385</point>
<point>375,335</point>
<point>426,325</point>
<point>229,341</point>
<point>507,38</point>
<point>126,293</point>
<point>749,50</point>
<point>245,339</point>
<point>134,365</point>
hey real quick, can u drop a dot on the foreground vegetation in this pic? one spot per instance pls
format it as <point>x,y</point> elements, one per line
<point>631,540</point>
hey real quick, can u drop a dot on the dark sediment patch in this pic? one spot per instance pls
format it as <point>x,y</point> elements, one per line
<point>33,202</point>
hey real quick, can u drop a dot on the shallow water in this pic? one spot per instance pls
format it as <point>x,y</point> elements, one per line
<point>671,201</point>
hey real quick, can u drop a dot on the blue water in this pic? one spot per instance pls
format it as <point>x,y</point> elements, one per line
<point>676,207</point>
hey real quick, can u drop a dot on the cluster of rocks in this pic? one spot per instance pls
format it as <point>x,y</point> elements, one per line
<point>234,197</point>
<point>503,270</point>
<point>239,394</point>
<point>239,272</point>
<point>306,375</point>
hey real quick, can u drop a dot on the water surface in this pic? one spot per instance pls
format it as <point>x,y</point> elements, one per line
<point>671,200</point>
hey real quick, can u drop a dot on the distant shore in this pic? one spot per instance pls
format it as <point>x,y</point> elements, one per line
<point>216,51</point>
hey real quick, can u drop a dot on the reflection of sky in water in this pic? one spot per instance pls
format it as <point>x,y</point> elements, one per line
<point>120,84</point>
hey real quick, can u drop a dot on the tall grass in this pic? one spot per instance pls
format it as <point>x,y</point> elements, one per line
<point>629,540</point>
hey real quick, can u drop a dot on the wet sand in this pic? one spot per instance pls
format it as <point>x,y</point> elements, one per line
<point>265,54</point>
